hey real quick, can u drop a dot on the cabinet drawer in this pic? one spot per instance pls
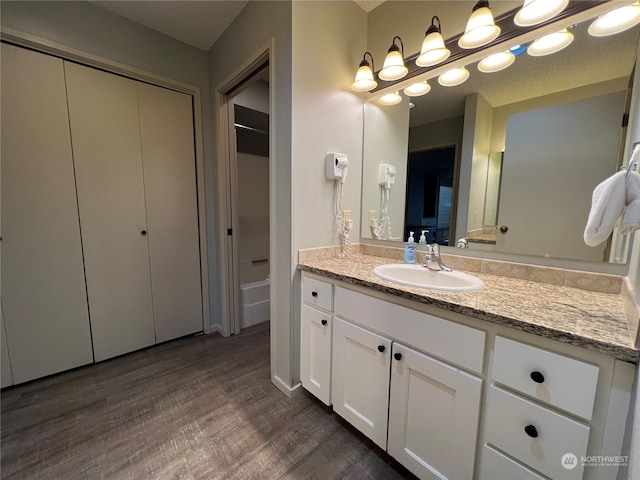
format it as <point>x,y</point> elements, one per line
<point>554,379</point>
<point>443,339</point>
<point>317,293</point>
<point>549,435</point>
<point>495,465</point>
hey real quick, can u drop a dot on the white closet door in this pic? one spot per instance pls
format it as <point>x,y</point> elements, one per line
<point>103,112</point>
<point>6,376</point>
<point>43,290</point>
<point>166,127</point>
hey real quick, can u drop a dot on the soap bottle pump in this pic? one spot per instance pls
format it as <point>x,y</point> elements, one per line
<point>423,238</point>
<point>410,250</point>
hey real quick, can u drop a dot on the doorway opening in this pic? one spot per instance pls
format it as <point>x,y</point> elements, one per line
<point>430,204</point>
<point>246,250</point>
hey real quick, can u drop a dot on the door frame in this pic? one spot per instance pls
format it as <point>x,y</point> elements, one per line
<point>228,181</point>
<point>65,52</point>
<point>456,181</point>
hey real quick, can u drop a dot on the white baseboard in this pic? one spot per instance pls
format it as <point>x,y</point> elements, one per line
<point>290,392</point>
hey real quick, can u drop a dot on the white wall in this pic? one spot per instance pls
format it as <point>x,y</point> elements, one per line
<point>257,24</point>
<point>253,213</point>
<point>633,136</point>
<point>85,27</point>
<point>474,155</point>
<point>328,40</point>
<point>385,141</point>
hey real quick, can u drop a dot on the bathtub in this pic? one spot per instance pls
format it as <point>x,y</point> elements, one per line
<point>254,303</point>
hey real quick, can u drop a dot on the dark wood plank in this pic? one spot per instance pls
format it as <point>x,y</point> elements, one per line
<point>201,407</point>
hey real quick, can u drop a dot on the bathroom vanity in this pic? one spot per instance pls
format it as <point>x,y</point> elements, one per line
<point>519,380</point>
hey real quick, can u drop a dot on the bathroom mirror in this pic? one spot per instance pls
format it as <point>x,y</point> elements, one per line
<point>530,143</point>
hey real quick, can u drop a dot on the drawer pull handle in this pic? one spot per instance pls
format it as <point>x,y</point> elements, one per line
<point>531,431</point>
<point>397,356</point>
<point>537,377</point>
<point>314,294</point>
<point>323,321</point>
<point>381,348</point>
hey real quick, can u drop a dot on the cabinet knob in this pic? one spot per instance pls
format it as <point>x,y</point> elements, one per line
<point>397,356</point>
<point>537,377</point>
<point>381,348</point>
<point>531,431</point>
<point>323,321</point>
<point>143,233</point>
<point>314,294</point>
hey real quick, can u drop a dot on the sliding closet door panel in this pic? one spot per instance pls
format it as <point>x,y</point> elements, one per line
<point>166,126</point>
<point>103,111</point>
<point>43,290</point>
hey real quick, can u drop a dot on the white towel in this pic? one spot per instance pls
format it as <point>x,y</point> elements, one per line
<point>607,205</point>
<point>631,217</point>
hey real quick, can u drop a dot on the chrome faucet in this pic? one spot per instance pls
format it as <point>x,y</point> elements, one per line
<point>432,259</point>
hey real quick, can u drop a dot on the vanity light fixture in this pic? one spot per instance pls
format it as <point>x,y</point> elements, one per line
<point>394,67</point>
<point>433,49</point>
<point>481,28</point>
<point>616,21</point>
<point>552,43</point>
<point>454,77</point>
<point>534,12</point>
<point>390,99</point>
<point>364,81</point>
<point>496,62</point>
<point>417,89</point>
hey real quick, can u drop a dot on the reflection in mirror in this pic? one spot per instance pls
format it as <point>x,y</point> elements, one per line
<point>494,174</point>
<point>557,120</point>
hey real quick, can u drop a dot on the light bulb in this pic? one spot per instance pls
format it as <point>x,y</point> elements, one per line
<point>417,89</point>
<point>454,77</point>
<point>616,21</point>
<point>537,11</point>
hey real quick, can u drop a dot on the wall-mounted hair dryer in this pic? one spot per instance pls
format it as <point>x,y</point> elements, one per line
<point>386,175</point>
<point>336,166</point>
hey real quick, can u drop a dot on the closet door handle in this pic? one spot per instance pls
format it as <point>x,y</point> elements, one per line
<point>143,233</point>
<point>381,348</point>
<point>397,356</point>
<point>314,294</point>
<point>323,321</point>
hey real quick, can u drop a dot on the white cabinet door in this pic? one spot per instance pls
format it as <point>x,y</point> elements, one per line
<point>360,379</point>
<point>433,416</point>
<point>166,129</point>
<point>315,352</point>
<point>43,285</point>
<point>103,112</point>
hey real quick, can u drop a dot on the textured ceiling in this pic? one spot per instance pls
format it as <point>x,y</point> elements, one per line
<point>197,23</point>
<point>586,61</point>
<point>368,5</point>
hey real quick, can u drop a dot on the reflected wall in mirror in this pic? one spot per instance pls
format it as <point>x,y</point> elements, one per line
<point>555,119</point>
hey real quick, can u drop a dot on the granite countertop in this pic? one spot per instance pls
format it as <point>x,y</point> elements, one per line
<point>592,320</point>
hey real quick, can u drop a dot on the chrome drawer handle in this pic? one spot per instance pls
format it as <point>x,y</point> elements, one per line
<point>531,431</point>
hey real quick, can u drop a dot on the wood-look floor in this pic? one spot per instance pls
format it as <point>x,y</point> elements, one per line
<point>196,408</point>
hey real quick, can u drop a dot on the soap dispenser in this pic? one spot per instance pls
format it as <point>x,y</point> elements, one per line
<point>410,250</point>
<point>423,238</point>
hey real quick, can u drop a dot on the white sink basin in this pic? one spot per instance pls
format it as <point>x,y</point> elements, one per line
<point>419,276</point>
